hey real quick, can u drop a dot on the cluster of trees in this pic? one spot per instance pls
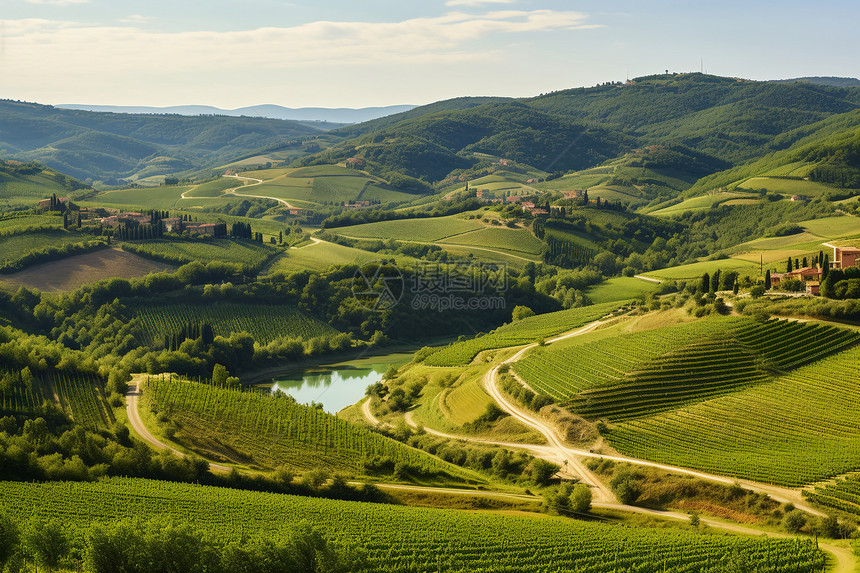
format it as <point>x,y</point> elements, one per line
<point>160,545</point>
<point>47,446</point>
<point>521,394</point>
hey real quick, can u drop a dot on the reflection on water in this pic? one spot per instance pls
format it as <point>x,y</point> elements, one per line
<point>335,389</point>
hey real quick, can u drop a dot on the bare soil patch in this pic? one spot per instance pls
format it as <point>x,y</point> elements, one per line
<point>73,272</point>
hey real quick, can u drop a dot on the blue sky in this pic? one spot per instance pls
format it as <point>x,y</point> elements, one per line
<point>382,52</point>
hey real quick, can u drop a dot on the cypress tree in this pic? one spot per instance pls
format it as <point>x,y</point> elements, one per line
<point>788,268</point>
<point>766,280</point>
<point>705,283</point>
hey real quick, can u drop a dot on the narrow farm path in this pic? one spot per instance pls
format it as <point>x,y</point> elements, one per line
<point>780,494</point>
<point>257,182</point>
<point>131,404</point>
<point>649,279</point>
<point>232,191</point>
<point>315,242</point>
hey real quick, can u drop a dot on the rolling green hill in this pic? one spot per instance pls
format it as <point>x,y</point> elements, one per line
<point>28,183</point>
<point>111,146</point>
<point>735,120</point>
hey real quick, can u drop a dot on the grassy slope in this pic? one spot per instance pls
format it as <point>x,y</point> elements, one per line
<point>263,432</point>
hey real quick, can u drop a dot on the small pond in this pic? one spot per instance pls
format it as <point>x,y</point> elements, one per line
<point>337,386</point>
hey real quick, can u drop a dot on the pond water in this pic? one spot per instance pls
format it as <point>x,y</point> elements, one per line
<point>337,386</point>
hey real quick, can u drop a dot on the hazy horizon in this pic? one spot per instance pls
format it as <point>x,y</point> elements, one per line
<point>380,53</point>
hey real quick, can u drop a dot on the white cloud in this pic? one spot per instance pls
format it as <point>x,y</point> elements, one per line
<point>67,46</point>
<point>58,2</point>
<point>45,57</point>
<point>136,19</point>
<point>477,2</point>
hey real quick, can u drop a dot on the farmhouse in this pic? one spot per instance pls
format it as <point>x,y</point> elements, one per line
<point>805,274</point>
<point>513,199</point>
<point>575,194</point>
<point>296,211</point>
<point>202,228</point>
<point>357,204</point>
<point>845,257</point>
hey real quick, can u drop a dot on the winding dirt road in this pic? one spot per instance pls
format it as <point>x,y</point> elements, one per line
<point>131,405</point>
<point>233,191</point>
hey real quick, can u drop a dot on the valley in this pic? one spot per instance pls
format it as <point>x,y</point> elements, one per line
<point>599,329</point>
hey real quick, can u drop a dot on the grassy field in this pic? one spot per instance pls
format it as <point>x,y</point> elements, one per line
<point>787,186</point>
<point>73,272</point>
<point>434,540</point>
<point>696,270</point>
<point>833,227</point>
<point>28,189</point>
<point>215,188</point>
<point>619,289</point>
<point>263,322</point>
<point>516,240</point>
<point>222,250</point>
<point>421,230</point>
<point>319,257</point>
<point>164,198</point>
<point>11,224</point>
<point>700,203</point>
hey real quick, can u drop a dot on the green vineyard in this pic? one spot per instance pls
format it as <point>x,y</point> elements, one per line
<point>247,253</point>
<point>843,495</point>
<point>524,331</point>
<point>616,377</point>
<point>264,322</point>
<point>82,396</point>
<point>397,538</point>
<point>798,429</point>
<point>697,372</point>
<point>269,431</point>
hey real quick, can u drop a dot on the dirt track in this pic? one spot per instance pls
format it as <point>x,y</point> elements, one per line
<point>131,404</point>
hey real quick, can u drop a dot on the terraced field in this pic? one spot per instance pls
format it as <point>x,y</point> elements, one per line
<point>635,375</point>
<point>842,495</point>
<point>434,540</point>
<point>265,431</point>
<point>798,429</point>
<point>524,331</point>
<point>263,322</point>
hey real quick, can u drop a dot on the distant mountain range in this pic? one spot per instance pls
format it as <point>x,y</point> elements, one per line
<point>332,115</point>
